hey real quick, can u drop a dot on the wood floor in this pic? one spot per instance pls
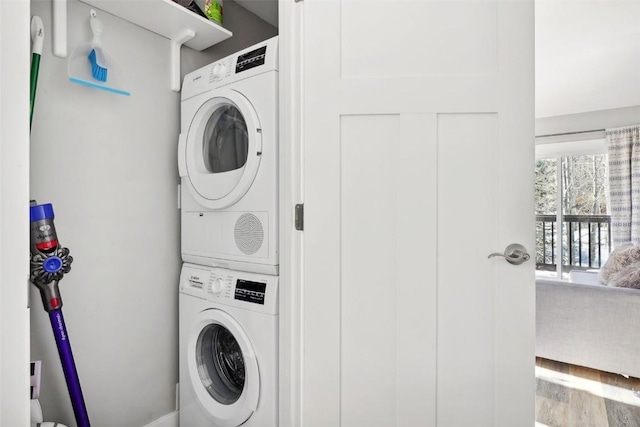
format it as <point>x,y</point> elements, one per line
<point>574,396</point>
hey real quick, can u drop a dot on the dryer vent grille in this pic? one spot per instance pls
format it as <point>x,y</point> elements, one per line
<point>249,234</point>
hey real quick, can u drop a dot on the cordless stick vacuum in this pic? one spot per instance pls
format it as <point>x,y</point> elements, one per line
<point>49,263</point>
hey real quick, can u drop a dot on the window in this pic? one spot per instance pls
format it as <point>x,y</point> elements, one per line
<point>572,207</point>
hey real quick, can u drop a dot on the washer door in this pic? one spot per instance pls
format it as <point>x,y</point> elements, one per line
<point>223,148</point>
<point>223,369</point>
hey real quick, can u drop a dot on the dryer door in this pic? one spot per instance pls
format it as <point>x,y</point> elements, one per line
<point>223,149</point>
<point>223,369</point>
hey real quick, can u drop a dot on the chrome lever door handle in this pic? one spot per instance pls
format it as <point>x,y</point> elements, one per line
<point>515,254</point>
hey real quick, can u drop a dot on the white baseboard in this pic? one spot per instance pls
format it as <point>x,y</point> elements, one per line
<point>169,420</point>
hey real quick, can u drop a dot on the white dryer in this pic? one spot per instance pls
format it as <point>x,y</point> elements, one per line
<point>228,162</point>
<point>228,329</point>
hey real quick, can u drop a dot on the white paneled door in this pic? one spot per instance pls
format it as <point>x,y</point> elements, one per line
<point>418,164</point>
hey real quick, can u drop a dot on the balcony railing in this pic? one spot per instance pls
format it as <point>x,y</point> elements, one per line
<point>586,241</point>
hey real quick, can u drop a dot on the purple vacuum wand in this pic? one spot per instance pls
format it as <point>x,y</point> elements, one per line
<point>49,263</point>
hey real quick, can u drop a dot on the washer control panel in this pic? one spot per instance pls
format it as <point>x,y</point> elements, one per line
<point>219,285</point>
<point>252,291</point>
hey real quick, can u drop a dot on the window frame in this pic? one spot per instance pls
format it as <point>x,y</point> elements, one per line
<point>556,147</point>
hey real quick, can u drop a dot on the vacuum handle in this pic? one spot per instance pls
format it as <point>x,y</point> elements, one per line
<point>69,368</point>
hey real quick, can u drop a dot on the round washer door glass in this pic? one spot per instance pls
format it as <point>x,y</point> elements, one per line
<point>223,368</point>
<point>220,364</point>
<point>223,150</point>
<point>225,141</point>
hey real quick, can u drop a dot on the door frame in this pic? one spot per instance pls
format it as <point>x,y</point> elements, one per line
<point>14,203</point>
<point>290,193</point>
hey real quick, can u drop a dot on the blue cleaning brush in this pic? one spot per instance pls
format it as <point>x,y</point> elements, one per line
<point>96,56</point>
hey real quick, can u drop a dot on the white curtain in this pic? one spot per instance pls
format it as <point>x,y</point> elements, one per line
<point>624,184</point>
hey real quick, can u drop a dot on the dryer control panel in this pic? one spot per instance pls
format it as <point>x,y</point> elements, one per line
<point>255,292</point>
<point>257,59</point>
<point>251,59</point>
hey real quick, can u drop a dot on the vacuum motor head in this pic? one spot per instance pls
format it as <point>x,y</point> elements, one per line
<point>49,261</point>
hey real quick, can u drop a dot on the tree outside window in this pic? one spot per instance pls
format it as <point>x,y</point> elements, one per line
<point>572,191</point>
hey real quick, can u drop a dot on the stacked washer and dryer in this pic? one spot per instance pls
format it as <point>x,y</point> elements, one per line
<point>228,292</point>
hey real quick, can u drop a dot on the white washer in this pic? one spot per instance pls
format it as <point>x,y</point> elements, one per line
<point>228,348</point>
<point>228,162</point>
